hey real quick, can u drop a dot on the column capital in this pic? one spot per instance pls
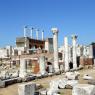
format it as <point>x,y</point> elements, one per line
<point>54,30</point>
<point>74,37</point>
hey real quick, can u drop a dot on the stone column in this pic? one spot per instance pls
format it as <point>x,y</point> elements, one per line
<point>55,46</point>
<point>66,51</point>
<point>70,54</point>
<point>32,33</point>
<point>23,68</point>
<point>25,30</point>
<point>91,51</point>
<point>74,37</point>
<point>42,35</point>
<point>37,34</point>
<point>94,62</point>
<point>42,65</point>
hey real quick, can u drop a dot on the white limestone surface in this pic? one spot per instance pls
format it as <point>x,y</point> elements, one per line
<point>71,75</point>
<point>26,89</point>
<point>23,68</point>
<point>62,83</point>
<point>83,89</point>
<point>53,87</point>
<point>42,65</point>
<point>72,83</point>
<point>87,77</point>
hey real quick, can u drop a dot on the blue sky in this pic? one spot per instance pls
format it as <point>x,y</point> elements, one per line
<point>70,16</point>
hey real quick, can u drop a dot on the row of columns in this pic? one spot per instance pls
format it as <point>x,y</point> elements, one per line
<point>66,51</point>
<point>23,66</point>
<point>26,29</point>
<point>56,60</point>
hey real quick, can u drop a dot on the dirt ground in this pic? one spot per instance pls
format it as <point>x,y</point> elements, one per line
<point>13,89</point>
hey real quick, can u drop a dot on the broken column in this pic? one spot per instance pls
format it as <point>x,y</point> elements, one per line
<point>23,68</point>
<point>42,65</point>
<point>91,51</point>
<point>66,54</point>
<point>74,37</point>
<point>26,89</point>
<point>55,46</point>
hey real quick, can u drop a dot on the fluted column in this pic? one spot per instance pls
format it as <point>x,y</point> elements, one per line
<point>55,46</point>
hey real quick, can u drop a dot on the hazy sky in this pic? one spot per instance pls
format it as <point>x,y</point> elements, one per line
<point>69,16</point>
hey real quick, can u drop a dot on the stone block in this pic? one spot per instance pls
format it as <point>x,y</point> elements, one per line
<point>62,83</point>
<point>83,89</point>
<point>91,82</point>
<point>71,75</point>
<point>26,89</point>
<point>2,83</point>
<point>72,83</point>
<point>53,87</point>
<point>87,77</point>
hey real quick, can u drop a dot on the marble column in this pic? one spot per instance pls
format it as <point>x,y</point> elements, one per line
<point>42,65</point>
<point>37,34</point>
<point>42,35</point>
<point>25,30</point>
<point>70,53</point>
<point>23,68</point>
<point>32,33</point>
<point>66,51</point>
<point>91,51</point>
<point>55,46</point>
<point>74,38</point>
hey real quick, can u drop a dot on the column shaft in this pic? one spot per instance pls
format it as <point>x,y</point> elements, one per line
<point>37,34</point>
<point>74,52</point>
<point>66,51</point>
<point>42,35</point>
<point>23,68</point>
<point>42,65</point>
<point>55,46</point>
